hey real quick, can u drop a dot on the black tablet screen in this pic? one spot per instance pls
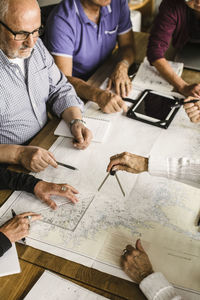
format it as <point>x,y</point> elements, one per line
<point>155,106</point>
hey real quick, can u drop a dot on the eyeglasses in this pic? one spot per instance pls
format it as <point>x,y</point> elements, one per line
<point>23,35</point>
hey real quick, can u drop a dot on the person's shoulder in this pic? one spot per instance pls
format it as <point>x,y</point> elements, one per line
<point>173,4</point>
<point>66,7</point>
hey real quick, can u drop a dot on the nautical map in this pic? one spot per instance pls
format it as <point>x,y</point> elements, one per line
<point>94,232</point>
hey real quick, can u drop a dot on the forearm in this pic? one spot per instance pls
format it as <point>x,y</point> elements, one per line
<point>127,53</point>
<point>168,73</point>
<point>10,153</point>
<point>71,113</point>
<point>84,90</point>
<point>17,181</point>
<point>183,169</point>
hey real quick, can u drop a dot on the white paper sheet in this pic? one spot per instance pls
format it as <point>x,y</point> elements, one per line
<point>147,76</point>
<point>9,263</point>
<point>52,287</point>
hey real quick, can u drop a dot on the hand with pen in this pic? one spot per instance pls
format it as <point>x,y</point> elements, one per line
<point>192,109</point>
<point>35,159</point>
<point>17,228</point>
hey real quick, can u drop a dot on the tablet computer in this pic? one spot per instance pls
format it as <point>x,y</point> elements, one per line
<point>154,108</point>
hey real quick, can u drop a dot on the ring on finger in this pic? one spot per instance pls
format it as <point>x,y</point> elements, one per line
<point>63,188</point>
<point>29,218</point>
<point>125,251</point>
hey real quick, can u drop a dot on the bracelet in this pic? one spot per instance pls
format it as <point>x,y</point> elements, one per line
<point>124,61</point>
<point>74,121</point>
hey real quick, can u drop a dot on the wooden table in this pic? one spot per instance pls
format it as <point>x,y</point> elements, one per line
<point>33,261</point>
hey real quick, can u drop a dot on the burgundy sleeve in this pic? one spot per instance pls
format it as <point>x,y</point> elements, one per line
<point>161,34</point>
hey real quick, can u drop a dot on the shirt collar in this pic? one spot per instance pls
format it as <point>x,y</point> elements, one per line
<point>105,10</point>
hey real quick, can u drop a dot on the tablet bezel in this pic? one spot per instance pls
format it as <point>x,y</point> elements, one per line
<point>150,120</point>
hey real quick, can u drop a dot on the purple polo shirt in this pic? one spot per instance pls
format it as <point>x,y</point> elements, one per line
<point>70,33</point>
<point>171,23</point>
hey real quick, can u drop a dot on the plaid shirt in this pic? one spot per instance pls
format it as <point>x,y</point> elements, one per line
<point>24,100</point>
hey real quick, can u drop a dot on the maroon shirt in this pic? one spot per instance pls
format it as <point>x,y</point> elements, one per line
<point>171,24</point>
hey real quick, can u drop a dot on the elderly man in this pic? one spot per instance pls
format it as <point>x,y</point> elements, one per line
<point>81,34</point>
<point>30,81</point>
<point>18,227</point>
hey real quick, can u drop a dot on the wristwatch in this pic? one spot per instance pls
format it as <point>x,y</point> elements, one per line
<point>74,121</point>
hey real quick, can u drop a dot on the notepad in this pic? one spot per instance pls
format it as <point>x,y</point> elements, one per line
<point>50,286</point>
<point>9,262</point>
<point>148,76</point>
<point>99,128</point>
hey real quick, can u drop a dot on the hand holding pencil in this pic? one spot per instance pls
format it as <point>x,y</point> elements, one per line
<point>192,109</point>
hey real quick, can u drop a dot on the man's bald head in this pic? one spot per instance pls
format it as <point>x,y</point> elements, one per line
<point>19,16</point>
<point>12,9</point>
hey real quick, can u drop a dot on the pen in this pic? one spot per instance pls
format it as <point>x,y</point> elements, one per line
<point>181,102</point>
<point>14,214</point>
<point>191,101</point>
<point>66,166</point>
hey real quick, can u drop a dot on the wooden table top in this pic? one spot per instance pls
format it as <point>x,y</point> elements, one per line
<point>33,261</point>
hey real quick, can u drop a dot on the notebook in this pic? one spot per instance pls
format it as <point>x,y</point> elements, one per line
<point>149,78</point>
<point>99,128</point>
<point>9,262</point>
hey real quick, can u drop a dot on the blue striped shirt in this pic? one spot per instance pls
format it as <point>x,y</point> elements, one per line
<point>24,100</point>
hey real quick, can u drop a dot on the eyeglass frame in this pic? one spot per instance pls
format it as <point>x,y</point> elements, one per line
<point>41,28</point>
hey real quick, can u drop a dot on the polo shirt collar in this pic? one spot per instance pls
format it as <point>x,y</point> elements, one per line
<point>105,10</point>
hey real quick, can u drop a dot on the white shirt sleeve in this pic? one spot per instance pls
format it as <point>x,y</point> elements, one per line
<point>182,169</point>
<point>156,287</point>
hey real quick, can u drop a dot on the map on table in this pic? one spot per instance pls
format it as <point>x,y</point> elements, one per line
<point>94,232</point>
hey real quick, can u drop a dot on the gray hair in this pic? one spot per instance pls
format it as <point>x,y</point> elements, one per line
<point>3,8</point>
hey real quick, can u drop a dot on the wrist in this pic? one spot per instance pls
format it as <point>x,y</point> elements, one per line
<point>74,122</point>
<point>97,95</point>
<point>19,150</point>
<point>124,63</point>
<point>181,86</point>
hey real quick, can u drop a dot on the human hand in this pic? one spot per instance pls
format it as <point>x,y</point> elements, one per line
<point>192,110</point>
<point>18,227</point>
<point>82,135</point>
<point>110,102</point>
<point>190,90</point>
<point>135,262</point>
<point>128,162</point>
<point>120,80</point>
<point>35,158</point>
<point>44,190</point>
